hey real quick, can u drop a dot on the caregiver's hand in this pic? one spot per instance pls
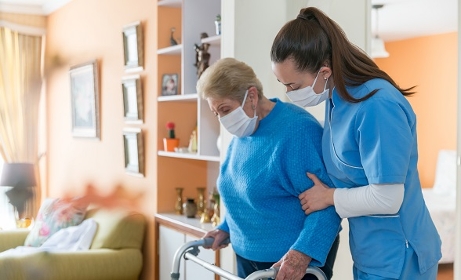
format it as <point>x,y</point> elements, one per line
<point>319,197</point>
<point>293,265</point>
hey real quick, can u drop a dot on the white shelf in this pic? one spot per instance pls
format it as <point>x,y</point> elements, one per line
<point>172,50</point>
<point>213,40</point>
<point>184,222</point>
<point>179,97</point>
<point>170,3</point>
<point>188,156</point>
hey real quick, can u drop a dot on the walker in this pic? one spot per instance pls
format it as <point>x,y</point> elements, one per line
<point>190,251</point>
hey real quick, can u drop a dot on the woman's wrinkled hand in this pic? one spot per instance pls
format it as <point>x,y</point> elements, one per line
<point>219,237</point>
<point>292,266</point>
<point>319,197</point>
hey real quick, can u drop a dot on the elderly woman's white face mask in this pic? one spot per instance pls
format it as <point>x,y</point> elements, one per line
<point>238,123</point>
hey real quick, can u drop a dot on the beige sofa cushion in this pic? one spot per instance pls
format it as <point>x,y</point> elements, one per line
<point>117,229</point>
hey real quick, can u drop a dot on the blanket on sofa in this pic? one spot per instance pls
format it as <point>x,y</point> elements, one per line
<point>70,239</point>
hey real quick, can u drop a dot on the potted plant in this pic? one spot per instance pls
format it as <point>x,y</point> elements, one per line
<point>170,142</point>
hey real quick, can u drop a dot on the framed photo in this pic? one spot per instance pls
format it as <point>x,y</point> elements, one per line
<point>132,99</point>
<point>134,151</point>
<point>133,47</point>
<point>170,84</point>
<point>84,89</point>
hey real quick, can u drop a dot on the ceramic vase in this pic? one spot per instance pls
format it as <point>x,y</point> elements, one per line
<point>218,27</point>
<point>190,208</point>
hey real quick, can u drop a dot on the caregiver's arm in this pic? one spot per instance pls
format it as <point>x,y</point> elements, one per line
<point>353,202</point>
<point>368,200</point>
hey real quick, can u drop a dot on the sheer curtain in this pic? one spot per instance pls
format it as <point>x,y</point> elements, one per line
<point>20,90</point>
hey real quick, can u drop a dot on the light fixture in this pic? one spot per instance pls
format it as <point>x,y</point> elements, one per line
<point>378,49</point>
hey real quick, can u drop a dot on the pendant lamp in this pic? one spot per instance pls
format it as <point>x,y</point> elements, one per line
<point>378,49</point>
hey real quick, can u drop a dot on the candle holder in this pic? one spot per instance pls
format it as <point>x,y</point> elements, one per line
<point>215,220</point>
<point>201,204</point>
<point>178,205</point>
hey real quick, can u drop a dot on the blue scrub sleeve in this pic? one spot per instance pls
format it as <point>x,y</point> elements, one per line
<point>385,138</point>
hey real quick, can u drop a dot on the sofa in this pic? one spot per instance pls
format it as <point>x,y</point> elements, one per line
<point>115,252</point>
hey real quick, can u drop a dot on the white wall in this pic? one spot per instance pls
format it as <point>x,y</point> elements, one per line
<point>457,265</point>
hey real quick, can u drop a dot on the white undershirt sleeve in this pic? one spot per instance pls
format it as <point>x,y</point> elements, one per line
<point>368,200</point>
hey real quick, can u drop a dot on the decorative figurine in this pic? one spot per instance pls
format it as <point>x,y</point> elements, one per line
<point>192,148</point>
<point>173,42</point>
<point>202,56</point>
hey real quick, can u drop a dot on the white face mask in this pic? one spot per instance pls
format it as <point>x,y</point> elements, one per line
<point>306,97</point>
<point>238,123</point>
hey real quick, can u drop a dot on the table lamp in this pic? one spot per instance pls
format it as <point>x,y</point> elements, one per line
<point>20,176</point>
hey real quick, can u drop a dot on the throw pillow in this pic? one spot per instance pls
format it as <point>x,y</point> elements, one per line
<point>54,214</point>
<point>445,173</point>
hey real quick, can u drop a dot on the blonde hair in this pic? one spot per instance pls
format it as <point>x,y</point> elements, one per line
<point>228,78</point>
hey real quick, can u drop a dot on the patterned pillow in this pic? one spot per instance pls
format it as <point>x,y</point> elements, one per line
<point>54,214</point>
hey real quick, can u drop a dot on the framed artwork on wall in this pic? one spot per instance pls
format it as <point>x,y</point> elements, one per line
<point>84,89</point>
<point>134,151</point>
<point>133,47</point>
<point>132,99</point>
<point>170,84</point>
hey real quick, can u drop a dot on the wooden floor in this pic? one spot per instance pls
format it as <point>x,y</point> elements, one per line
<point>445,272</point>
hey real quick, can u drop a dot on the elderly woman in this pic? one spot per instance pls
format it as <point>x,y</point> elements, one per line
<point>262,175</point>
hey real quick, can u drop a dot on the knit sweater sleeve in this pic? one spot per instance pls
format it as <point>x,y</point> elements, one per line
<point>304,154</point>
<point>223,225</point>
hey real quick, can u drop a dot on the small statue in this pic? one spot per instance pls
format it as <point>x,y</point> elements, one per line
<point>202,56</point>
<point>173,42</point>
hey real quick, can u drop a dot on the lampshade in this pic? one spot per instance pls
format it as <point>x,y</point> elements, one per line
<point>18,175</point>
<point>378,49</point>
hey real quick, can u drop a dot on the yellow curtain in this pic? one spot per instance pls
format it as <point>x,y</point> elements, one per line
<point>20,91</point>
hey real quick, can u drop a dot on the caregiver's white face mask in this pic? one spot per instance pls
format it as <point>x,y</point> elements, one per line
<point>306,97</point>
<point>238,123</point>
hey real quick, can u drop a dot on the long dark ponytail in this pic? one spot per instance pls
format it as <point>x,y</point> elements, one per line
<point>313,39</point>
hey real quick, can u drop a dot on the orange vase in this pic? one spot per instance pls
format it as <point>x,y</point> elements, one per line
<point>170,143</point>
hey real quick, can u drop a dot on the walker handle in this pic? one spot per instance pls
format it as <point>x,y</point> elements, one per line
<point>207,242</point>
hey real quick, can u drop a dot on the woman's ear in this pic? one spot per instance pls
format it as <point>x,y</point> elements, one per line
<point>325,72</point>
<point>253,93</point>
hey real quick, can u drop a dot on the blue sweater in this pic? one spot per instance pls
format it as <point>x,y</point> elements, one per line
<point>259,183</point>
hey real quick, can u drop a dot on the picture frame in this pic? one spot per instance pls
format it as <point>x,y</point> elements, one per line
<point>84,89</point>
<point>134,151</point>
<point>132,99</point>
<point>133,47</point>
<point>170,84</point>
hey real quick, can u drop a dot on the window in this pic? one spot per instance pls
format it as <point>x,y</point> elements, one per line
<point>7,220</point>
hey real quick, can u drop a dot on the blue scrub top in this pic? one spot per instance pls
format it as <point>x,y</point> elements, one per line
<point>374,142</point>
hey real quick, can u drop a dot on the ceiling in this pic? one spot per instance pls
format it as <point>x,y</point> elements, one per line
<point>403,19</point>
<point>398,19</point>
